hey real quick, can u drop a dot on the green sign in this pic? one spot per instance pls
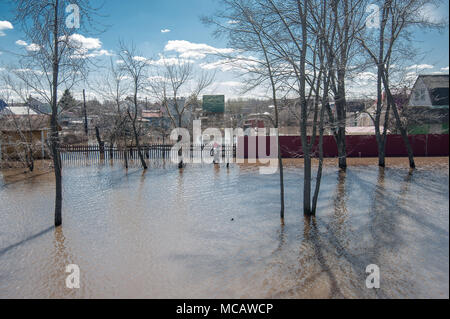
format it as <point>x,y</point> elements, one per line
<point>214,103</point>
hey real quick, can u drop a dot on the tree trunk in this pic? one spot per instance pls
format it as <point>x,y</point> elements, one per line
<point>180,151</point>
<point>341,110</point>
<point>320,168</point>
<point>280,162</point>
<point>54,123</point>
<point>138,146</point>
<point>86,130</point>
<point>403,132</point>
<point>307,184</point>
<point>101,144</point>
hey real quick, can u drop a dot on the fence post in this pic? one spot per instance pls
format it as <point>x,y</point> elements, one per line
<point>42,145</point>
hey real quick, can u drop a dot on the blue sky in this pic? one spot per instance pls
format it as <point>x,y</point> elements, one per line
<point>142,21</point>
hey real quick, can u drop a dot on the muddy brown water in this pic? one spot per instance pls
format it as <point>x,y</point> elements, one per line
<point>170,234</point>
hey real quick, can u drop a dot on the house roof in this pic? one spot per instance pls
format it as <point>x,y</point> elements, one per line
<point>39,107</point>
<point>438,87</point>
<point>19,110</point>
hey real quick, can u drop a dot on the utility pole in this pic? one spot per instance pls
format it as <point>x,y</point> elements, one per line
<point>85,113</point>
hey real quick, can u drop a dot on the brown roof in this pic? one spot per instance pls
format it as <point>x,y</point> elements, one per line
<point>24,123</point>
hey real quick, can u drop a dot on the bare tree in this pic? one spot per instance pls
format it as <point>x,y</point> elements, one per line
<point>343,21</point>
<point>113,87</point>
<point>55,58</point>
<point>135,67</point>
<point>289,45</point>
<point>176,78</point>
<point>393,42</point>
<point>247,35</point>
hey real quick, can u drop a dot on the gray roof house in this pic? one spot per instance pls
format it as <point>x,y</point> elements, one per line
<point>428,111</point>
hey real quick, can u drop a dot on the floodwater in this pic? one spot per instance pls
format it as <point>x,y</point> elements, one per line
<point>210,232</point>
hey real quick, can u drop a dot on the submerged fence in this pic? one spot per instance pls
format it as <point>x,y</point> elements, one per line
<point>88,154</point>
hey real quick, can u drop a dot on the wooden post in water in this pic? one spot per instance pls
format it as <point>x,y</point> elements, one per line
<point>85,113</point>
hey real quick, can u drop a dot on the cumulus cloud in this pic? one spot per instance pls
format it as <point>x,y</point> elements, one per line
<point>33,47</point>
<point>139,59</point>
<point>420,67</point>
<point>87,47</point>
<point>164,60</point>
<point>85,43</point>
<point>165,30</point>
<point>191,50</point>
<point>238,63</point>
<point>5,25</point>
<point>21,42</point>
<point>444,69</point>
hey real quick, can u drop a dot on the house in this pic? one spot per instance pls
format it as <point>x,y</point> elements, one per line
<point>16,131</point>
<point>427,110</point>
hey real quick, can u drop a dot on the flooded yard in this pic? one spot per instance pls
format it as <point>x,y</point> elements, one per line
<point>210,232</point>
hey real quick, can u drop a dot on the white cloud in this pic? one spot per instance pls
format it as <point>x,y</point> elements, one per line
<point>444,69</point>
<point>87,47</point>
<point>420,67</point>
<point>5,25</point>
<point>431,13</point>
<point>33,47</point>
<point>26,70</point>
<point>21,42</point>
<point>85,43</point>
<point>163,60</point>
<point>165,30</point>
<point>366,76</point>
<point>191,50</point>
<point>233,22</point>
<point>237,63</point>
<point>139,59</point>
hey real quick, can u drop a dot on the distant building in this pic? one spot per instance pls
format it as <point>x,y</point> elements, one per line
<point>428,107</point>
<point>2,105</point>
<point>38,106</point>
<point>213,111</point>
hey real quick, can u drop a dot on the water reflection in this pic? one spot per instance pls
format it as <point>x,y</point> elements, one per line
<point>202,232</point>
